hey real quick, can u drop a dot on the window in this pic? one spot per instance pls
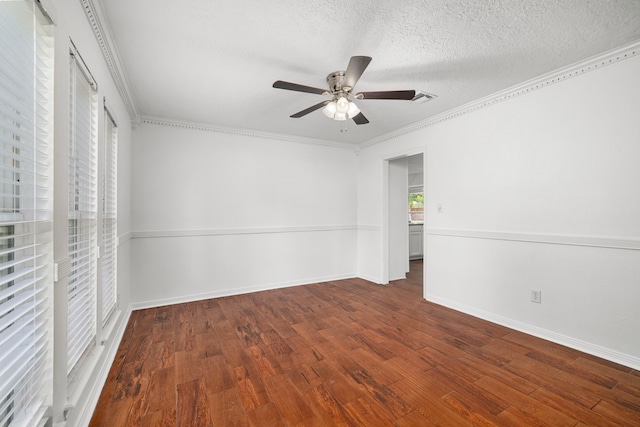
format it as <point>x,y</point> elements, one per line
<point>109,218</point>
<point>416,207</point>
<point>83,213</point>
<point>25,212</point>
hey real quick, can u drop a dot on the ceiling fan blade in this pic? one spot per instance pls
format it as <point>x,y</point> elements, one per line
<point>357,65</point>
<point>309,110</point>
<point>299,88</point>
<point>389,94</point>
<point>360,119</point>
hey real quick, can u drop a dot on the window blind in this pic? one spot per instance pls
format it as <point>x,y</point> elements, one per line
<point>82,215</point>
<point>25,212</point>
<point>109,218</point>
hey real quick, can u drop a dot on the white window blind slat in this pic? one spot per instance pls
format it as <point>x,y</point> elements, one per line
<point>83,211</point>
<point>109,218</point>
<point>20,320</point>
<point>21,374</point>
<point>25,205</point>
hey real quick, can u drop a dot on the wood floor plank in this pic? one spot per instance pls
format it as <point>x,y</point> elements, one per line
<point>290,403</point>
<point>368,412</point>
<point>392,402</point>
<point>166,418</point>
<point>217,374</point>
<point>265,416</point>
<point>578,412</point>
<point>416,418</point>
<point>622,414</point>
<point>187,366</point>
<point>227,409</point>
<point>474,395</point>
<point>573,369</point>
<point>207,345</point>
<point>161,356</point>
<point>375,367</point>
<point>350,352</point>
<point>490,370</point>
<point>266,366</point>
<point>130,382</point>
<point>160,394</point>
<point>440,413</point>
<point>545,378</point>
<point>328,408</point>
<point>192,406</point>
<point>477,416</point>
<point>250,387</point>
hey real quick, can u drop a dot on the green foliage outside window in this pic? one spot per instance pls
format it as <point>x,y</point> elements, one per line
<point>416,201</point>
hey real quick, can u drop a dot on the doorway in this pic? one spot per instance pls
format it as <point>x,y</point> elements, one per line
<point>404,221</point>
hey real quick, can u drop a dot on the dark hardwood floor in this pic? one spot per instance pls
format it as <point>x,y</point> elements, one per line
<point>351,353</point>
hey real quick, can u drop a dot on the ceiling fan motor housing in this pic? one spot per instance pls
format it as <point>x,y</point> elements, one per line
<point>335,81</point>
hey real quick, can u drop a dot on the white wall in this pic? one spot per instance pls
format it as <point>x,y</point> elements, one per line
<point>71,22</point>
<point>398,184</point>
<point>216,214</point>
<point>538,192</point>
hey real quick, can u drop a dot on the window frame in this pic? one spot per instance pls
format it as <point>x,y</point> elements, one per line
<point>83,214</point>
<point>26,280</point>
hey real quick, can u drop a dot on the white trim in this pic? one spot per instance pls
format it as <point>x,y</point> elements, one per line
<point>150,234</point>
<point>371,279</point>
<point>110,327</point>
<point>584,346</point>
<point>239,291</point>
<point>124,238</point>
<point>110,53</point>
<point>551,239</point>
<point>93,394</point>
<point>556,76</point>
<point>369,228</point>
<point>159,121</point>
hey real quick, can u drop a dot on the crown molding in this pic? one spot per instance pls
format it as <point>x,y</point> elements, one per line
<point>206,127</point>
<point>99,24</point>
<point>540,82</point>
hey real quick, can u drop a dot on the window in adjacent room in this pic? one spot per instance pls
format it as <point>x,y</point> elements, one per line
<point>416,207</point>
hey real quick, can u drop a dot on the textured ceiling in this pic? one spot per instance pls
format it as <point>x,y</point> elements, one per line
<point>213,62</point>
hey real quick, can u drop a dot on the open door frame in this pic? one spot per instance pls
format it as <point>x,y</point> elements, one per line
<point>386,218</point>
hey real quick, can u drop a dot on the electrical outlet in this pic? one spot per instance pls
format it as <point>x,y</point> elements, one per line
<point>536,295</point>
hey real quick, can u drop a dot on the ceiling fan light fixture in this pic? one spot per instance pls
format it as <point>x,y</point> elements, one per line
<point>329,110</point>
<point>342,105</point>
<point>341,109</point>
<point>353,110</point>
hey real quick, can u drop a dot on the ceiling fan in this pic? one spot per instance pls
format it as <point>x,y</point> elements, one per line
<point>341,84</point>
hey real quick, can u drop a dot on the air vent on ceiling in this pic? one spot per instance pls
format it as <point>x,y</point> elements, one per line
<point>422,97</point>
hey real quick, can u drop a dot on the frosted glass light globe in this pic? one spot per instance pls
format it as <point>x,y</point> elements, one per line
<point>353,110</point>
<point>330,109</point>
<point>342,105</point>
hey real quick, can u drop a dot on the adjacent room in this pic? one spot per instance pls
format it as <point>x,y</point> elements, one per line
<point>319,213</point>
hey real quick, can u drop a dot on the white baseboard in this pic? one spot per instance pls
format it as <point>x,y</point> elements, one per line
<point>237,291</point>
<point>586,347</point>
<point>86,411</point>
<point>371,279</point>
